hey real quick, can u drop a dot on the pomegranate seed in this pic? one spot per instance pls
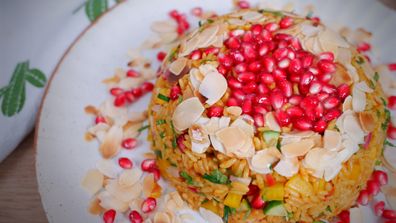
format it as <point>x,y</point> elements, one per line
<point>307,61</point>
<point>234,84</point>
<point>109,216</point>
<point>284,63</point>
<point>253,190</point>
<point>237,56</point>
<point>343,91</point>
<point>285,22</point>
<point>392,66</point>
<point>319,111</point>
<point>302,124</point>
<point>212,50</point>
<point>157,174</point>
<point>258,119</point>
<point>174,14</point>
<point>222,69</point>
<point>129,143</point>
<point>242,4</point>
<point>283,118</point>
<point>320,126</point>
<point>196,55</point>
<point>262,89</point>
<point>363,198</point>
<point>389,214</point>
<point>197,11</point>
<point>262,100</point>
<point>331,102</point>
<point>233,43</point>
<point>295,112</point>
<point>373,187</point>
<point>325,78</point>
<point>267,78</point>
<point>295,99</point>
<point>251,87</point>
<point>381,177</point>
<point>271,26</point>
<point>137,92</point>
<point>147,87</point>
<point>260,110</point>
<point>115,91</point>
<point>119,101</point>
<point>214,111</point>
<point>280,53</point>
<point>322,96</point>
<point>329,88</point>
<point>256,29</point>
<point>379,208</point>
<point>175,92</point>
<point>247,106</point>
<point>279,74</point>
<point>247,37</point>
<point>263,50</point>
<point>295,66</point>
<point>286,87</point>
<point>135,217</point>
<point>132,73</point>
<point>148,165</point>
<point>232,102</point>
<point>326,66</point>
<point>277,99</point>
<point>225,60</point>
<point>315,87</point>
<point>149,205</point>
<point>363,47</point>
<point>125,163</point>
<point>129,97</point>
<point>240,68</point>
<point>161,56</point>
<point>100,119</point>
<point>326,56</point>
<point>392,102</point>
<point>238,94</point>
<point>391,132</point>
<point>266,35</point>
<point>246,77</point>
<point>257,201</point>
<point>180,144</point>
<point>306,78</point>
<point>309,102</point>
<point>248,51</point>
<point>344,216</point>
<point>269,64</point>
<point>295,43</point>
<point>332,114</point>
<point>313,70</point>
<point>254,66</point>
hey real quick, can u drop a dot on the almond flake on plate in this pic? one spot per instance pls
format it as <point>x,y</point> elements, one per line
<point>111,144</point>
<point>93,181</point>
<point>124,193</point>
<point>186,113</point>
<point>129,177</point>
<point>164,26</point>
<point>108,201</point>
<point>108,168</point>
<point>161,217</point>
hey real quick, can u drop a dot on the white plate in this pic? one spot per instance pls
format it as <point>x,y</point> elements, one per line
<point>63,157</point>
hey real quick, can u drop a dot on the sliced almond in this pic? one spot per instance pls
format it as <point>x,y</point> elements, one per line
<point>177,66</point>
<point>330,37</point>
<point>247,128</point>
<point>111,142</point>
<point>130,177</point>
<point>261,162</point>
<point>167,38</point>
<point>332,140</point>
<point>186,113</point>
<point>164,26</point>
<point>247,150</point>
<point>216,144</point>
<point>94,207</point>
<point>125,194</point>
<point>213,87</point>
<point>207,35</point>
<point>233,111</point>
<point>200,147</point>
<point>136,204</point>
<point>108,201</point>
<point>148,185</point>
<point>108,168</point>
<point>161,217</point>
<point>331,171</point>
<point>195,78</point>
<point>210,216</point>
<point>341,76</point>
<point>205,69</point>
<point>358,100</point>
<point>252,16</point>
<point>298,134</point>
<point>232,138</point>
<point>347,105</point>
<point>353,129</point>
<point>93,181</point>
<point>309,30</point>
<point>317,159</point>
<point>297,148</point>
<point>364,87</point>
<point>367,121</point>
<point>287,167</point>
<point>271,122</point>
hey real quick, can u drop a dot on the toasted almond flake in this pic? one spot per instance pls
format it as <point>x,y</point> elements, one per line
<point>100,127</point>
<point>297,134</point>
<point>212,125</point>
<point>148,185</point>
<point>252,16</point>
<point>200,147</point>
<point>297,148</point>
<point>367,121</point>
<point>263,159</point>
<point>247,128</point>
<point>93,181</point>
<point>330,37</point>
<point>94,207</point>
<point>344,155</point>
<point>232,138</point>
<point>318,48</point>
<point>164,26</point>
<point>118,114</point>
<point>358,100</point>
<point>189,46</point>
<point>136,204</point>
<point>111,142</point>
<point>206,69</point>
<point>195,78</point>
<point>91,110</point>
<point>287,167</point>
<point>271,122</point>
<point>247,150</point>
<point>236,22</point>
<point>213,87</point>
<point>216,144</point>
<point>347,105</point>
<point>167,38</point>
<point>317,159</point>
<point>130,177</point>
<point>177,66</point>
<point>352,72</point>
<point>152,42</point>
<point>161,217</point>
<point>330,172</point>
<point>364,87</point>
<point>332,140</point>
<point>317,138</point>
<point>353,129</point>
<point>224,122</point>
<point>217,42</point>
<point>341,76</point>
<point>210,216</point>
<point>350,145</point>
<point>309,30</point>
<point>108,201</point>
<point>233,111</point>
<point>108,168</point>
<point>207,35</point>
<point>129,83</point>
<point>186,113</point>
<point>124,194</point>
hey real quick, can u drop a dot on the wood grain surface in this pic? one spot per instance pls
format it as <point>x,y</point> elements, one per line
<point>19,197</point>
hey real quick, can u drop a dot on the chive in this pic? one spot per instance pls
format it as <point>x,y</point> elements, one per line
<point>328,208</point>
<point>163,97</point>
<point>216,177</point>
<point>143,128</point>
<point>161,121</point>
<point>384,125</point>
<point>227,212</point>
<point>158,153</point>
<point>179,99</point>
<point>174,143</point>
<point>210,21</point>
<point>372,85</point>
<point>205,201</point>
<point>376,76</point>
<point>275,13</point>
<point>162,135</point>
<point>387,143</point>
<point>187,177</point>
<point>383,101</point>
<point>360,60</point>
<point>278,145</point>
<point>378,162</point>
<point>172,54</point>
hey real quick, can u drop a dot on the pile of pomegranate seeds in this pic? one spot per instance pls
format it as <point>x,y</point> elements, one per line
<point>269,71</point>
<point>181,19</point>
<point>124,97</point>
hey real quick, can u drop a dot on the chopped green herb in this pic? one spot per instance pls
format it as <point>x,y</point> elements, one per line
<point>199,23</point>
<point>161,121</point>
<point>378,114</point>
<point>376,76</point>
<point>372,85</point>
<point>278,145</point>
<point>163,97</point>
<point>210,21</point>
<point>216,177</point>
<point>158,153</point>
<point>328,208</point>
<point>309,15</point>
<point>179,99</point>
<point>143,128</point>
<point>384,125</point>
<point>275,13</point>
<point>360,60</point>
<point>387,143</point>
<point>162,135</point>
<point>383,101</point>
<point>227,212</point>
<point>172,54</point>
<point>187,177</point>
<point>378,162</point>
<point>174,143</point>
<point>205,201</point>
<point>289,215</point>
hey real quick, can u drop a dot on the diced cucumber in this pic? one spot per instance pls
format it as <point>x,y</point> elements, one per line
<point>275,208</point>
<point>271,137</point>
<point>245,206</point>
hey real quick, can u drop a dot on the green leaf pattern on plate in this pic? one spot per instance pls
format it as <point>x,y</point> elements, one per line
<point>14,95</point>
<point>95,8</point>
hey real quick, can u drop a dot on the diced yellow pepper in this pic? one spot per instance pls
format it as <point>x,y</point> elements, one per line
<point>300,185</point>
<point>211,207</point>
<point>233,200</point>
<point>274,193</point>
